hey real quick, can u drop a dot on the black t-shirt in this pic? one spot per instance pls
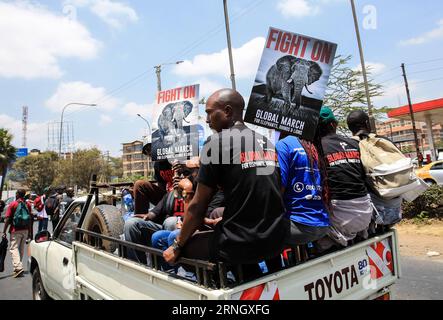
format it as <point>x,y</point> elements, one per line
<point>253,226</point>
<point>346,177</point>
<point>162,210</point>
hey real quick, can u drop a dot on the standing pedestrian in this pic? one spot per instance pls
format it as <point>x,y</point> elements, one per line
<point>42,216</point>
<point>52,207</point>
<point>19,222</point>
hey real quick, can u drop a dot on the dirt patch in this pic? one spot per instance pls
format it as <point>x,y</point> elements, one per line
<point>417,239</point>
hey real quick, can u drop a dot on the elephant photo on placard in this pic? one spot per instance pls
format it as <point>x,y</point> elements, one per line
<point>170,122</point>
<point>287,78</point>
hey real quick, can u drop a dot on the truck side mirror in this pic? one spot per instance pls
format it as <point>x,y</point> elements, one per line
<point>43,236</point>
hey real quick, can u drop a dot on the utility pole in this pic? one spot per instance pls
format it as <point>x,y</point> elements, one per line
<point>363,66</point>
<point>228,36</point>
<point>411,111</point>
<point>25,126</point>
<point>158,71</point>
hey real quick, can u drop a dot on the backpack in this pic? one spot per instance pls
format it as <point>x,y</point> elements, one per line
<point>22,217</point>
<point>51,205</point>
<point>388,172</point>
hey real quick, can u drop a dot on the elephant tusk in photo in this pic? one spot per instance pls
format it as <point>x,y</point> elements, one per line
<point>307,89</point>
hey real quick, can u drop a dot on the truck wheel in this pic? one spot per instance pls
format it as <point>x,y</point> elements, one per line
<point>38,291</point>
<point>105,220</point>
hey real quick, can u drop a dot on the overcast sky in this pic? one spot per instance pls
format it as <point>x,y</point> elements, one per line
<point>102,51</point>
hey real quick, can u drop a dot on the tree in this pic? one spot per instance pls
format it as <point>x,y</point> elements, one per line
<point>346,90</point>
<point>39,170</point>
<point>7,155</point>
<point>79,170</point>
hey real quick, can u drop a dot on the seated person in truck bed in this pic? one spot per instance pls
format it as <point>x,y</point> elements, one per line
<point>140,228</point>
<point>351,204</point>
<point>163,239</point>
<point>245,165</point>
<point>387,212</point>
<point>304,190</point>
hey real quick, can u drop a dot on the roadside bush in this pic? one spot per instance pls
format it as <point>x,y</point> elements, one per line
<point>428,205</point>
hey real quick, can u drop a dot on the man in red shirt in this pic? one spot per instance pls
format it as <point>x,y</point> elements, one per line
<point>19,235</point>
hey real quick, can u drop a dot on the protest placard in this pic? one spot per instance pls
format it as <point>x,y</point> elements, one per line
<point>291,83</point>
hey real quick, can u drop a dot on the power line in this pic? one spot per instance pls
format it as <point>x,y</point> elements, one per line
<point>424,62</point>
<point>248,9</point>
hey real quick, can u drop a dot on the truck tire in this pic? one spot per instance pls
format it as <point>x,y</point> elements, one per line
<point>38,290</point>
<point>105,220</point>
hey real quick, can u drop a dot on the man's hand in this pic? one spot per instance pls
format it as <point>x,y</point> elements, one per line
<point>171,256</point>
<point>212,222</point>
<point>4,235</point>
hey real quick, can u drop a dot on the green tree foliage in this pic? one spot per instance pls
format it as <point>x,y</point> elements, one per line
<point>79,170</point>
<point>429,204</point>
<point>7,154</point>
<point>346,90</point>
<point>39,171</point>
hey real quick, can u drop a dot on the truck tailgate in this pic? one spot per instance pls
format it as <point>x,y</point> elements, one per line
<point>356,273</point>
<point>101,275</point>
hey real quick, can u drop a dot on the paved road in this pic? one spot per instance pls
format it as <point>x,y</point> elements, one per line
<point>422,280</point>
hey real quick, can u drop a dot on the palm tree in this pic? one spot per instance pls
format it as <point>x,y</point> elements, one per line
<point>7,154</point>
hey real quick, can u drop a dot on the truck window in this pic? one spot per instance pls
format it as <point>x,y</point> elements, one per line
<point>67,233</point>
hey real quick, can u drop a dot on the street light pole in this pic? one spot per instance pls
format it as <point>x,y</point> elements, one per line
<point>228,35</point>
<point>149,133</point>
<point>147,122</point>
<point>61,121</point>
<point>158,71</point>
<point>363,66</point>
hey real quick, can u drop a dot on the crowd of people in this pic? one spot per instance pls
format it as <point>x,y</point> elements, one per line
<point>244,203</point>
<point>19,218</point>
<point>244,200</point>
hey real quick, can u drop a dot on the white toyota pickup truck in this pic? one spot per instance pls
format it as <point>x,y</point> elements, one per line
<point>84,260</point>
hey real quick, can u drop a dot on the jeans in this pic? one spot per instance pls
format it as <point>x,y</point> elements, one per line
<point>42,225</point>
<point>164,239</point>
<point>139,231</point>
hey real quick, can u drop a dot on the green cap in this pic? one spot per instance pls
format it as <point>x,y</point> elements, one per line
<point>326,116</point>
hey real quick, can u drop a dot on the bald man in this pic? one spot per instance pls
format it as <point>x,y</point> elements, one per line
<point>244,164</point>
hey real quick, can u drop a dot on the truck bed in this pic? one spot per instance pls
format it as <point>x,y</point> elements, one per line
<point>362,271</point>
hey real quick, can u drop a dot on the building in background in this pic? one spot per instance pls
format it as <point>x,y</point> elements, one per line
<point>134,161</point>
<point>401,133</point>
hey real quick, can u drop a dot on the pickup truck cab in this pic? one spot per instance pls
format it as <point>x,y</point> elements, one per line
<point>79,262</point>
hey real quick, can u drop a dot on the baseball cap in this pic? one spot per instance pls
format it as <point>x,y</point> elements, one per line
<point>326,116</point>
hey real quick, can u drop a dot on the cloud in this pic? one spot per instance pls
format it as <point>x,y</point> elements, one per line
<point>302,8</point>
<point>113,13</point>
<point>34,39</point>
<point>208,87</point>
<point>104,120</point>
<point>297,8</point>
<point>246,59</point>
<point>374,67</point>
<point>132,109</point>
<point>81,92</point>
<point>434,34</point>
<point>35,138</point>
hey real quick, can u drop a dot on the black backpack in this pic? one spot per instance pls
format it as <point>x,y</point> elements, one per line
<point>51,205</point>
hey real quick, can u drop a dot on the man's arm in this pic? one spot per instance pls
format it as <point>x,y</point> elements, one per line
<point>6,226</point>
<point>31,222</point>
<point>8,217</point>
<point>193,219</point>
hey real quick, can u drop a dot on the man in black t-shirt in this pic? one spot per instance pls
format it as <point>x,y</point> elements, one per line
<point>245,165</point>
<point>351,205</point>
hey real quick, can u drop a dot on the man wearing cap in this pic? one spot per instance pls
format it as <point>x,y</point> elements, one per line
<point>350,201</point>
